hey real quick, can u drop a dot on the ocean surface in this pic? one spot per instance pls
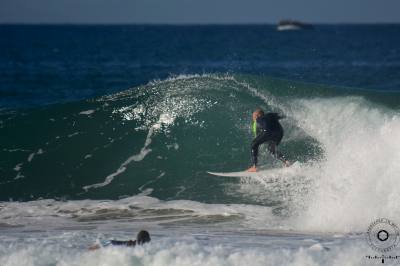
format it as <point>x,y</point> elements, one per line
<point>106,130</point>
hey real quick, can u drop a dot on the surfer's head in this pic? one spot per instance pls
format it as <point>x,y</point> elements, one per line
<point>143,237</point>
<point>258,113</point>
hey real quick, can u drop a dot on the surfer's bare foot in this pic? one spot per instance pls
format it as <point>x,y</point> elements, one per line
<point>286,163</point>
<point>252,169</point>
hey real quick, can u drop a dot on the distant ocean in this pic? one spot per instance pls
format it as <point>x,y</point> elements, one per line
<point>106,130</point>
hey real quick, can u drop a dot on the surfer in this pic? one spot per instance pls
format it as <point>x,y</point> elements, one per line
<point>141,238</point>
<point>266,129</point>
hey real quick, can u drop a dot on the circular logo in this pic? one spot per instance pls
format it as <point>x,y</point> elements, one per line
<point>383,235</point>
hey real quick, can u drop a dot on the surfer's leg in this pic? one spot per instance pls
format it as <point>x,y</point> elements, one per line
<point>272,148</point>
<point>255,144</point>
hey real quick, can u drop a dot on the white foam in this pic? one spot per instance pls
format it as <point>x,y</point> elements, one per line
<point>19,176</point>
<point>108,179</point>
<point>87,112</point>
<point>181,251</point>
<point>73,134</point>
<point>137,157</point>
<point>32,155</point>
<point>317,247</point>
<point>357,181</point>
<point>55,214</point>
<point>174,146</point>
<point>18,167</point>
<point>166,100</point>
<point>15,150</point>
<point>141,188</point>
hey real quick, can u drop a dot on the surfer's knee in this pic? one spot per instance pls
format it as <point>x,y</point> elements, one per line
<point>254,147</point>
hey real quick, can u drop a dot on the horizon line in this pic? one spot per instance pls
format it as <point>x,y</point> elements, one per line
<point>183,24</point>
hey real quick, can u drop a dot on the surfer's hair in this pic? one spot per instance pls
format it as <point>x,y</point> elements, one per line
<point>143,237</point>
<point>259,111</point>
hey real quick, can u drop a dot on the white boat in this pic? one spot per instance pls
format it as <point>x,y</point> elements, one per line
<point>292,25</point>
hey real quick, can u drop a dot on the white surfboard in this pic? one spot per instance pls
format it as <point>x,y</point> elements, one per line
<point>260,173</point>
<point>238,174</point>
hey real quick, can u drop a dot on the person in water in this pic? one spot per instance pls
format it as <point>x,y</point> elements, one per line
<point>141,238</point>
<point>266,129</point>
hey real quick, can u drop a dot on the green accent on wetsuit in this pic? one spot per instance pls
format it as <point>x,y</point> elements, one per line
<point>254,128</point>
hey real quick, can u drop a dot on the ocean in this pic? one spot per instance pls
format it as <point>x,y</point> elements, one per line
<point>107,130</point>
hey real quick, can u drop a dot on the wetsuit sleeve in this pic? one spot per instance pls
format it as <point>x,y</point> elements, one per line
<point>278,116</point>
<point>123,243</point>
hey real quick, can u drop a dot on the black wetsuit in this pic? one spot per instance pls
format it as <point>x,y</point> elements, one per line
<point>129,243</point>
<point>142,237</point>
<point>269,131</point>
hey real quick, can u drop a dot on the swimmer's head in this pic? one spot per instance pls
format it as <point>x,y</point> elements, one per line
<point>143,237</point>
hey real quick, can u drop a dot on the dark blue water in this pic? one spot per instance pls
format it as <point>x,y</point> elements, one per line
<point>48,64</point>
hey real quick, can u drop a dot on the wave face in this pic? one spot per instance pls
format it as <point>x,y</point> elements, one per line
<point>159,140</point>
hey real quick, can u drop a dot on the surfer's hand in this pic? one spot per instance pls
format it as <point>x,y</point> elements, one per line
<point>286,163</point>
<point>94,247</point>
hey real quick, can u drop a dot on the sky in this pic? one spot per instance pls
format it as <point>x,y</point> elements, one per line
<point>198,11</point>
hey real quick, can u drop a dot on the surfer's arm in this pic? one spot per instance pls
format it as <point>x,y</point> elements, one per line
<point>279,116</point>
<point>129,243</point>
<point>123,243</point>
<point>103,243</point>
<point>94,247</point>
